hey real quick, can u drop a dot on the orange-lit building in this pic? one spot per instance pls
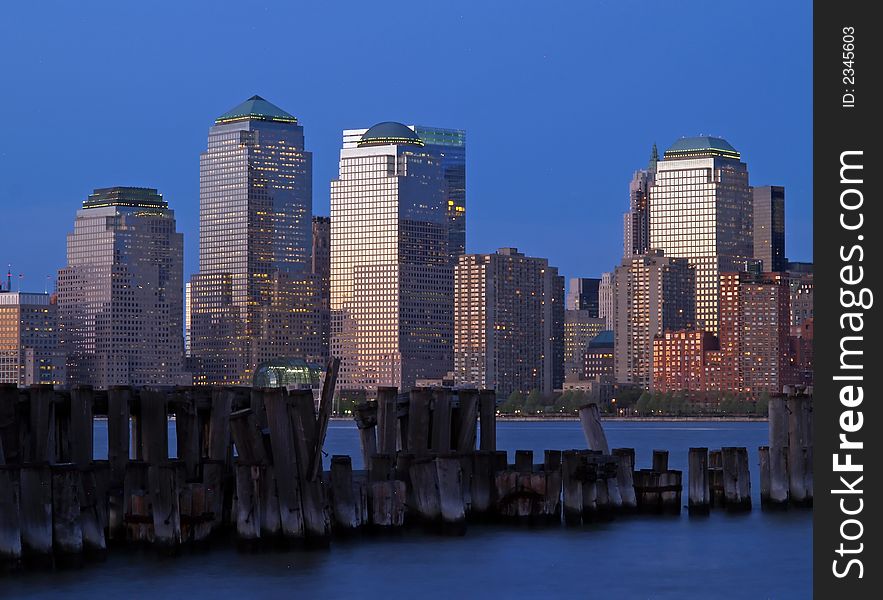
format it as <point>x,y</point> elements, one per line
<point>680,360</point>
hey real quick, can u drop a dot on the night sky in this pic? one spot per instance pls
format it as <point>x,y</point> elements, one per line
<point>560,102</point>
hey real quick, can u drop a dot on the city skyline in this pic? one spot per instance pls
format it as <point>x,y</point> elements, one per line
<point>150,135</point>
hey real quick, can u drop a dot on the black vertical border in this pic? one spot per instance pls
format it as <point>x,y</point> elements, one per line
<point>838,129</point>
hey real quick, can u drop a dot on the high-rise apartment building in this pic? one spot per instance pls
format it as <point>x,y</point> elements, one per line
<point>652,294</point>
<point>449,148</point>
<point>321,257</point>
<point>800,281</point>
<point>579,329</point>
<point>605,300</point>
<point>700,209</point>
<point>254,298</point>
<point>754,333</point>
<point>769,227</point>
<point>681,360</point>
<point>508,323</point>
<point>582,294</point>
<point>29,339</point>
<point>120,304</point>
<point>598,358</point>
<point>636,222</point>
<point>392,283</point>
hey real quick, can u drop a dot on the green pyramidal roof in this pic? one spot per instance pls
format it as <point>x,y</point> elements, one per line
<point>701,146</point>
<point>256,108</point>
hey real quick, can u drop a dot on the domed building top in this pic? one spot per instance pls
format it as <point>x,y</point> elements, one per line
<point>389,132</point>
<point>256,108</point>
<point>700,147</point>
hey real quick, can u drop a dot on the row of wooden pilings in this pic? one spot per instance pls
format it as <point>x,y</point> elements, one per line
<point>251,461</point>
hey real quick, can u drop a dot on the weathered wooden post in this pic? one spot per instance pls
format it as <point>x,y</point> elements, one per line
<point>9,434</point>
<point>524,461</point>
<point>552,469</point>
<point>590,418</point>
<point>118,398</point>
<point>625,467</point>
<point>450,490</point>
<point>35,511</point>
<point>67,532</point>
<point>441,420</point>
<point>716,478</point>
<point>284,462</point>
<point>590,484</point>
<point>154,423</point>
<point>42,420</point>
<point>365,415</point>
<point>778,453</point>
<point>468,417</point>
<point>344,507</point>
<point>797,464</point>
<point>660,461</point>
<point>482,482</point>
<point>387,503</point>
<point>303,417</point>
<point>10,529</point>
<point>93,507</point>
<point>387,420</point>
<point>699,493</point>
<point>487,401</point>
<point>572,470</point>
<point>737,487</point>
<point>671,485</point>
<point>165,482</point>
<point>424,479</point>
<point>418,421</point>
<point>81,400</point>
<point>187,432</point>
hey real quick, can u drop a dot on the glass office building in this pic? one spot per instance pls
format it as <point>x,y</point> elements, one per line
<point>120,297</point>
<point>391,278</point>
<point>254,296</point>
<point>700,209</point>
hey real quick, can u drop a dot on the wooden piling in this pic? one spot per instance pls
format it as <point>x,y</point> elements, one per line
<point>67,532</point>
<point>93,509</point>
<point>81,427</point>
<point>590,419</point>
<point>418,421</point>
<point>699,493</point>
<point>671,485</point>
<point>424,479</point>
<point>737,486</point>
<point>797,465</point>
<point>9,434</point>
<point>440,439</point>
<point>118,398</point>
<point>524,461</point>
<point>467,418</point>
<point>248,438</point>
<point>284,462</point>
<point>572,467</point>
<point>625,467</point>
<point>347,515</point>
<point>387,420</point>
<point>10,529</point>
<point>716,478</point>
<point>41,438</point>
<point>187,433</point>
<point>154,423</point>
<point>166,480</point>
<point>449,477</point>
<point>487,406</point>
<point>303,418</point>
<point>660,461</point>
<point>136,497</point>
<point>387,504</point>
<point>248,502</point>
<point>326,401</point>
<point>35,511</point>
<point>365,415</point>
<point>482,482</point>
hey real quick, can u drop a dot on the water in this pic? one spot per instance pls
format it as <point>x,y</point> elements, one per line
<point>755,555</point>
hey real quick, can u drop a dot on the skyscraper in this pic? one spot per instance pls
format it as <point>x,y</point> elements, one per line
<point>652,294</point>
<point>29,339</point>
<point>605,299</point>
<point>583,295</point>
<point>252,298</point>
<point>769,227</point>
<point>636,222</point>
<point>508,323</point>
<point>120,296</point>
<point>321,257</point>
<point>579,329</point>
<point>391,277</point>
<point>449,147</point>
<point>700,209</point>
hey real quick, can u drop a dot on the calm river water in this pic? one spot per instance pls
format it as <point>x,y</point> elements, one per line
<point>755,555</point>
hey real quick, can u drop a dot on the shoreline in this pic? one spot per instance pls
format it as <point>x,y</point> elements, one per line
<point>659,419</point>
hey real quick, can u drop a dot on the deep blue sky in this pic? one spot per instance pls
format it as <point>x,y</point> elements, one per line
<point>561,102</point>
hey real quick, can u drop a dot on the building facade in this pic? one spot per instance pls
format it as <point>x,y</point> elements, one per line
<point>652,294</point>
<point>321,269</point>
<point>598,360</point>
<point>582,294</point>
<point>605,300</point>
<point>254,298</point>
<point>580,328</point>
<point>120,303</point>
<point>29,339</point>
<point>449,148</point>
<point>700,209</point>
<point>769,227</point>
<point>801,287</point>
<point>508,323</point>
<point>681,360</point>
<point>636,222</point>
<point>392,286</point>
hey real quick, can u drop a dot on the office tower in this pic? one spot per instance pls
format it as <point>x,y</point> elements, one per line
<point>680,360</point>
<point>449,148</point>
<point>754,329</point>
<point>700,209</point>
<point>29,339</point>
<point>800,282</point>
<point>769,227</point>
<point>598,360</point>
<point>579,329</point>
<point>508,323</point>
<point>120,304</point>
<point>391,278</point>
<point>321,257</point>
<point>605,300</point>
<point>187,320</point>
<point>652,294</point>
<point>636,222</point>
<point>583,295</point>
<point>250,299</point>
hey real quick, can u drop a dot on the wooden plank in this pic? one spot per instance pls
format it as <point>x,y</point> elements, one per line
<point>9,434</point>
<point>326,401</point>
<point>441,420</point>
<point>10,528</point>
<point>248,501</point>
<point>487,407</point>
<point>284,458</point>
<point>524,461</point>
<point>347,515</point>
<point>590,419</point>
<point>660,461</point>
<point>424,479</point>
<point>572,469</point>
<point>699,491</point>
<point>248,438</point>
<point>449,476</point>
<point>118,398</point>
<point>93,517</point>
<point>387,419</point>
<point>35,511</point>
<point>166,480</point>
<point>468,419</point>
<point>187,433</point>
<point>154,423</point>
<point>81,426</point>
<point>418,421</point>
<point>625,467</point>
<point>365,416</point>
<point>41,422</point>
<point>67,531</point>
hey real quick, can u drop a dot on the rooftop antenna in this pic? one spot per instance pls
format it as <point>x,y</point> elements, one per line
<point>46,286</point>
<point>9,279</point>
